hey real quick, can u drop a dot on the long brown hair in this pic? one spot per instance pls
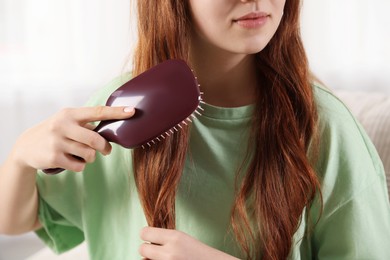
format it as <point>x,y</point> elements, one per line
<point>280,181</point>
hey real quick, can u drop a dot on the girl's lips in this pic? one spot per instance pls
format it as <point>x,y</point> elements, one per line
<point>252,20</point>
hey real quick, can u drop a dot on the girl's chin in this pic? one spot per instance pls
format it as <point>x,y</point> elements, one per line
<point>250,49</point>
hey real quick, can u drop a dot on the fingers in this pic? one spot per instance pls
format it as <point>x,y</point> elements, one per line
<point>83,117</point>
<point>151,251</point>
<point>76,159</point>
<point>68,133</point>
<point>90,114</point>
<point>155,238</point>
<point>90,139</point>
<point>90,126</point>
<point>155,235</point>
<point>82,152</point>
<point>67,161</point>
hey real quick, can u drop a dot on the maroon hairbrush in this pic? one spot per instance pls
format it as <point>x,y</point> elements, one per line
<point>164,97</point>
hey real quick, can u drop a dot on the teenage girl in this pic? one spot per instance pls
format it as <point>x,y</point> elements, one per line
<point>275,168</point>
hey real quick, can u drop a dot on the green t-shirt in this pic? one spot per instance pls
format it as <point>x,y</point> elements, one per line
<point>101,204</point>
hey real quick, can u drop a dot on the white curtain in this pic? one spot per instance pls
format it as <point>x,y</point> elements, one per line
<point>55,53</point>
<point>348,42</point>
<point>62,42</point>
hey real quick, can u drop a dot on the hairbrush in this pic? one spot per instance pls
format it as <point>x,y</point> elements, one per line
<point>165,98</point>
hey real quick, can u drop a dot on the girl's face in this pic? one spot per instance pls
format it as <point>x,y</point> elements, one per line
<point>236,26</point>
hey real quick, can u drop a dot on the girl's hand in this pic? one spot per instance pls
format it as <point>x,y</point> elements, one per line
<point>52,143</point>
<point>166,244</point>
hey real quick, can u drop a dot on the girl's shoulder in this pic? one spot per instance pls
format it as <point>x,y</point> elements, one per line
<point>345,156</point>
<point>330,106</point>
<point>335,119</point>
<point>338,126</point>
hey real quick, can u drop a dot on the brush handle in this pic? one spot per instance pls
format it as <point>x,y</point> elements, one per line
<point>52,171</point>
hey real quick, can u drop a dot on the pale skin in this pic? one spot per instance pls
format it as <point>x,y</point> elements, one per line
<point>172,244</point>
<point>222,56</point>
<point>50,144</point>
<point>221,49</point>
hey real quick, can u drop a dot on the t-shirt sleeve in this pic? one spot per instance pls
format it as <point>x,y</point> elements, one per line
<point>357,229</point>
<point>57,232</point>
<point>61,196</point>
<point>355,221</point>
<point>61,199</point>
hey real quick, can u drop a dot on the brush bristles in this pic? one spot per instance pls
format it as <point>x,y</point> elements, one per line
<point>183,123</point>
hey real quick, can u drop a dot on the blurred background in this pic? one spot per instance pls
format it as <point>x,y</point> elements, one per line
<point>56,53</point>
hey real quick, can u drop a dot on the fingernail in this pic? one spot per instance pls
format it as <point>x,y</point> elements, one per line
<point>108,152</point>
<point>128,109</point>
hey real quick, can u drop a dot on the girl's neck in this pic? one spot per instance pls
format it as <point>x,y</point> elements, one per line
<point>226,79</point>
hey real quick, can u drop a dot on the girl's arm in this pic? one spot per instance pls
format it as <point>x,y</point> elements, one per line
<point>19,198</point>
<point>50,144</point>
